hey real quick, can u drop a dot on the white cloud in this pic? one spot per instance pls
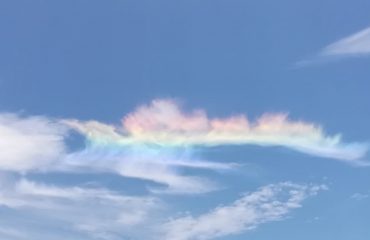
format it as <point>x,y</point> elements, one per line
<point>92,211</point>
<point>353,45</point>
<point>269,203</point>
<point>29,143</point>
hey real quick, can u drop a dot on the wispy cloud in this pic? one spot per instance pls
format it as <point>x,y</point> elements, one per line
<point>269,203</point>
<point>354,45</point>
<point>152,163</point>
<point>95,211</point>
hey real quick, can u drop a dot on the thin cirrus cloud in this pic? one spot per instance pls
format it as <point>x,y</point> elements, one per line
<point>163,123</point>
<point>269,203</point>
<point>150,163</point>
<point>356,44</point>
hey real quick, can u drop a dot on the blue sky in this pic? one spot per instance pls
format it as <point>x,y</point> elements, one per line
<point>184,120</point>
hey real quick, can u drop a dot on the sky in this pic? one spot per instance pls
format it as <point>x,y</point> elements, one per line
<point>184,120</point>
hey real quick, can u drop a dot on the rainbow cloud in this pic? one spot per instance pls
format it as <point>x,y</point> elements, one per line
<point>163,124</point>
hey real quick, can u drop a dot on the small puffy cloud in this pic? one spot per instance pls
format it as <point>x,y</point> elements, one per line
<point>356,44</point>
<point>269,203</point>
<point>28,143</point>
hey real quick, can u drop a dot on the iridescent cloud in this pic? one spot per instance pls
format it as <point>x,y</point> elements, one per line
<point>163,123</point>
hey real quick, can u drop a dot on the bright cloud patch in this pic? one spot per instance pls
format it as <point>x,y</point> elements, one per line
<point>29,143</point>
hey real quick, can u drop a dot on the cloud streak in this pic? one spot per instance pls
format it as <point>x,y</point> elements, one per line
<point>270,203</point>
<point>356,44</point>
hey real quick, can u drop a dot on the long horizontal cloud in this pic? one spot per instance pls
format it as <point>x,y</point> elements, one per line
<point>269,203</point>
<point>353,45</point>
<point>163,123</point>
